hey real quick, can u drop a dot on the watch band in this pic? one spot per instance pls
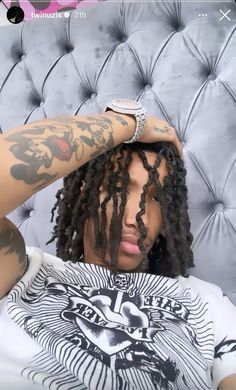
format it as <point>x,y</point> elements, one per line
<point>130,107</point>
<point>141,119</point>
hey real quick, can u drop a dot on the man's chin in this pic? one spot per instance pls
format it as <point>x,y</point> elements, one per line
<point>128,263</point>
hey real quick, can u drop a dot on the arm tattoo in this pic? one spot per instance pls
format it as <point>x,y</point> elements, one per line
<point>38,146</point>
<point>119,118</point>
<point>96,131</point>
<point>11,241</point>
<point>163,130</point>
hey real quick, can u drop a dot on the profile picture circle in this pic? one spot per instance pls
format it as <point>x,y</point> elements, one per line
<point>15,15</point>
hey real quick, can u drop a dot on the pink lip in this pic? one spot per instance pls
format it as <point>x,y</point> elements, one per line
<point>130,247</point>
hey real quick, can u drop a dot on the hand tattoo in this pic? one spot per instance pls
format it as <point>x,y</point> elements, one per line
<point>163,130</point>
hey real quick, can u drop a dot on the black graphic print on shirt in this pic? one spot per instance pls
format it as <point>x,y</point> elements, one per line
<point>225,346</point>
<point>116,335</point>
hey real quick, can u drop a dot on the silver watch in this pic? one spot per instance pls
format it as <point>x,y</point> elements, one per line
<point>131,107</point>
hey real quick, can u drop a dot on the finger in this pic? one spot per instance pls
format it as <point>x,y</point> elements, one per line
<point>177,142</point>
<point>180,149</point>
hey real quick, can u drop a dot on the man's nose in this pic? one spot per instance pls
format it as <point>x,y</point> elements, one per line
<point>131,210</point>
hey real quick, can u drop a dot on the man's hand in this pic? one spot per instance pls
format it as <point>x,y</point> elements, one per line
<point>13,259</point>
<point>228,383</point>
<point>157,130</point>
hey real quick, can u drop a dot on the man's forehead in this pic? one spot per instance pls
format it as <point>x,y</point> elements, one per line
<point>150,155</point>
<point>137,172</point>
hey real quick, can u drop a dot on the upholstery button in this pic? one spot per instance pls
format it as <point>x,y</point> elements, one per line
<point>93,96</point>
<point>31,213</point>
<point>219,207</point>
<point>41,103</point>
<point>23,57</point>
<point>148,87</point>
<point>211,77</point>
<point>69,49</point>
<point>179,28</point>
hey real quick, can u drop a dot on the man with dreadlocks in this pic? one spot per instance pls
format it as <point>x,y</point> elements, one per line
<point>116,309</point>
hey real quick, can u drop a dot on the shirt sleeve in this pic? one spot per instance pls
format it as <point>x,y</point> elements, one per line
<point>225,338</point>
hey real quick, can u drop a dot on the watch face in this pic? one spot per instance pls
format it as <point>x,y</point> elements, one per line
<point>126,104</point>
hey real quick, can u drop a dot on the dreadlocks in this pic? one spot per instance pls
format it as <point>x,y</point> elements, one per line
<point>171,254</point>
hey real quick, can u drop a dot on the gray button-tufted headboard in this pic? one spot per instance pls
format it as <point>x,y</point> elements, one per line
<point>179,65</point>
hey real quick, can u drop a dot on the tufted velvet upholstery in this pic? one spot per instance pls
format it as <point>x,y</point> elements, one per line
<point>177,64</point>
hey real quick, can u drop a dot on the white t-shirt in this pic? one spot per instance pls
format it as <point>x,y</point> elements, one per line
<point>78,326</point>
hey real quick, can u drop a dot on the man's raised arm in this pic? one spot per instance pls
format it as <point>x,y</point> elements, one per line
<point>34,155</point>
